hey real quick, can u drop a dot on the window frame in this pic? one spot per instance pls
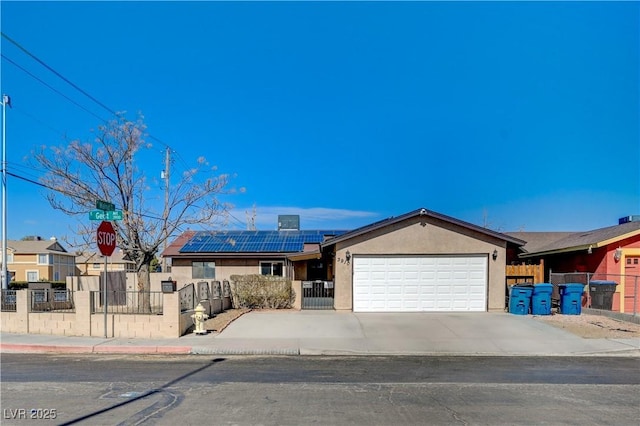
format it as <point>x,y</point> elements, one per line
<point>203,268</point>
<point>32,271</point>
<point>271,264</point>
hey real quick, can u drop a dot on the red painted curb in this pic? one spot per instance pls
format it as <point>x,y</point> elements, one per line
<point>142,349</point>
<point>22,348</point>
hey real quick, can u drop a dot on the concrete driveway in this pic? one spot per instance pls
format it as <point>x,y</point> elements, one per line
<point>330,332</point>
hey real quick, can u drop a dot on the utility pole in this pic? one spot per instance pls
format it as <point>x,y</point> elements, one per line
<point>165,214</point>
<point>5,271</point>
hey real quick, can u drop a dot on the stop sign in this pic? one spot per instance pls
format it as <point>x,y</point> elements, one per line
<point>106,238</point>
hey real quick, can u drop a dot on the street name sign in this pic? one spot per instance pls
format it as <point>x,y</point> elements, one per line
<point>105,205</point>
<point>105,215</point>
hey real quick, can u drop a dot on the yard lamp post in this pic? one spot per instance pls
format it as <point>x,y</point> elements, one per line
<point>5,272</point>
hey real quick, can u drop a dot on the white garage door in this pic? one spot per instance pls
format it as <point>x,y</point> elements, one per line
<point>419,283</point>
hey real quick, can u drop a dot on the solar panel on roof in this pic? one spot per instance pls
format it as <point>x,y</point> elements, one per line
<point>254,241</point>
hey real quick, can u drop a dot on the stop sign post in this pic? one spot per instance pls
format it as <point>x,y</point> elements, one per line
<point>106,238</point>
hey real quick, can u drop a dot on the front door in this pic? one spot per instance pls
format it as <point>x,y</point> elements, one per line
<point>632,284</point>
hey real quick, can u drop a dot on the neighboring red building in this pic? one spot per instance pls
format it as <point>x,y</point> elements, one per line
<point>611,253</point>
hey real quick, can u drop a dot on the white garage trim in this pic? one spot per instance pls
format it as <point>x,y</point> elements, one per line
<point>420,283</point>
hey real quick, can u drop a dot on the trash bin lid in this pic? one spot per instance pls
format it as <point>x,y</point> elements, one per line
<point>542,288</point>
<point>602,282</point>
<point>572,287</point>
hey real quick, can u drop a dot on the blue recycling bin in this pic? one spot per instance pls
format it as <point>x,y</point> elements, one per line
<point>541,299</point>
<point>571,298</point>
<point>520,299</point>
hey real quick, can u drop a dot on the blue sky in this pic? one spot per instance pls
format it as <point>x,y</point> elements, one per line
<point>522,116</point>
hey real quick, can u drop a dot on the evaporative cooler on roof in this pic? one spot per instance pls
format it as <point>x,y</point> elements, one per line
<point>288,222</point>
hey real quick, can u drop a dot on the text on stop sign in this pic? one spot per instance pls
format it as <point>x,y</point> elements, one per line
<point>106,238</point>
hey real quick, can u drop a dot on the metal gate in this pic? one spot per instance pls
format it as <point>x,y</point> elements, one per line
<point>317,294</point>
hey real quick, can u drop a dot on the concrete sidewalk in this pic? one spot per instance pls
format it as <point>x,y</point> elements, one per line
<point>348,333</point>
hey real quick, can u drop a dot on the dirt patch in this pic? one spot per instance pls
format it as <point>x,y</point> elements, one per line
<point>593,326</point>
<point>221,320</point>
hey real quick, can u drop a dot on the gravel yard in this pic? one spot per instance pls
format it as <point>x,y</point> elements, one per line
<point>221,320</point>
<point>590,326</point>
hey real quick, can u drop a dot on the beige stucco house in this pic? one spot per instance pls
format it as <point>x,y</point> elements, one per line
<point>39,260</point>
<point>420,261</point>
<point>92,264</point>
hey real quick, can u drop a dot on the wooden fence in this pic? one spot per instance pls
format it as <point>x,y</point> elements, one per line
<point>525,273</point>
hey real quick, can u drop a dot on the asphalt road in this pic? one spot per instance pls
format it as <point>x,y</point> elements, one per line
<point>185,390</point>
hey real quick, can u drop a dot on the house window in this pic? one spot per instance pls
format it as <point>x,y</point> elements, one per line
<point>272,268</point>
<point>9,258</point>
<point>32,276</point>
<point>44,259</point>
<point>203,269</point>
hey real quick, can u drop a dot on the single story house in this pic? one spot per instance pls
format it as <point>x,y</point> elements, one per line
<point>39,260</point>
<point>217,255</point>
<point>611,254</point>
<point>419,261</point>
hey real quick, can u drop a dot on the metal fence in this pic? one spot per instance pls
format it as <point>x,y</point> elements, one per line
<point>8,300</point>
<point>127,302</point>
<point>317,295</point>
<point>630,302</point>
<point>46,300</point>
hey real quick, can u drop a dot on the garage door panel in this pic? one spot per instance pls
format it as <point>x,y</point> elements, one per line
<point>420,283</point>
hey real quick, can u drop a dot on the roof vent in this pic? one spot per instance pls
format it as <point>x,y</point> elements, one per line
<point>627,219</point>
<point>288,222</point>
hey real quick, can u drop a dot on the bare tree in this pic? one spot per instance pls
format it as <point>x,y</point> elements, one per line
<point>106,169</point>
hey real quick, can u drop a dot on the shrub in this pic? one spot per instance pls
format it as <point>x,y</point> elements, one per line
<point>20,285</point>
<point>261,292</point>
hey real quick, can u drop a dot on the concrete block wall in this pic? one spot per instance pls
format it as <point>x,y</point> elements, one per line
<point>172,323</point>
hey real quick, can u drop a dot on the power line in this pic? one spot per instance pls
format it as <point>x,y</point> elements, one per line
<point>44,64</point>
<point>51,87</point>
<point>63,192</point>
<point>58,74</point>
<point>66,80</point>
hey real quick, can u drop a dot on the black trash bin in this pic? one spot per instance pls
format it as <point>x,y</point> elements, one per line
<point>601,293</point>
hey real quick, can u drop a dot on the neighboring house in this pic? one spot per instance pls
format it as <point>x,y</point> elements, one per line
<point>611,253</point>
<point>93,263</point>
<point>39,260</point>
<point>419,261</point>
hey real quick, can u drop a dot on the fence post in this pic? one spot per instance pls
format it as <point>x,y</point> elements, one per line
<point>23,307</point>
<point>171,315</point>
<point>82,301</point>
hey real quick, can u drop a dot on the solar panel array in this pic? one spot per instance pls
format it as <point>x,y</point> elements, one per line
<point>254,241</point>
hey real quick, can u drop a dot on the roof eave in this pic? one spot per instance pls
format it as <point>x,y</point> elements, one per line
<point>193,255</point>
<point>310,255</point>
<point>558,251</point>
<point>416,213</point>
